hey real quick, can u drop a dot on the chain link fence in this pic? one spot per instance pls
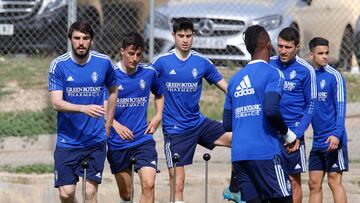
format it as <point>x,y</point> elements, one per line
<point>33,32</point>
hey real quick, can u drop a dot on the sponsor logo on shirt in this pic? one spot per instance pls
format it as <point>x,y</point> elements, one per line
<point>322,96</point>
<point>244,88</point>
<point>249,110</point>
<point>289,86</point>
<point>131,102</point>
<point>94,77</point>
<point>83,91</point>
<point>181,86</point>
<point>322,84</point>
<point>194,73</point>
<point>70,79</point>
<point>172,72</point>
<point>142,84</point>
<point>120,87</point>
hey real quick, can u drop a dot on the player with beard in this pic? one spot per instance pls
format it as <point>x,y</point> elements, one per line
<point>297,103</point>
<point>77,81</point>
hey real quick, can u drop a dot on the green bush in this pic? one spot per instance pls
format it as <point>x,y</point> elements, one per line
<point>27,123</point>
<point>28,169</point>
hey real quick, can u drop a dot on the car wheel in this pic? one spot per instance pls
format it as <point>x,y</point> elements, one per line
<point>346,50</point>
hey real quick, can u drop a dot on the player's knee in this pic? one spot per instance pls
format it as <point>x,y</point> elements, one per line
<point>91,193</point>
<point>334,183</point>
<point>66,195</point>
<point>179,187</point>
<point>148,186</point>
<point>314,185</point>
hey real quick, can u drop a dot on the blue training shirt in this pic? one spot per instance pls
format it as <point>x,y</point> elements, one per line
<point>182,84</point>
<point>131,108</point>
<point>298,99</point>
<point>253,138</point>
<point>329,117</point>
<point>81,84</point>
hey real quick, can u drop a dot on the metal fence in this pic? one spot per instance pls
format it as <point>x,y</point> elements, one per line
<point>33,32</point>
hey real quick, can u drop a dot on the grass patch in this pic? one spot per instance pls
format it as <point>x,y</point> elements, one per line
<point>28,72</point>
<point>29,169</point>
<point>26,123</point>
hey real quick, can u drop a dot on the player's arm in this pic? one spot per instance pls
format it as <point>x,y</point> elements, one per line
<point>110,108</point>
<point>59,104</point>
<point>339,98</point>
<point>310,94</point>
<point>274,117</point>
<point>227,114</point>
<point>222,85</point>
<point>124,132</point>
<point>155,121</point>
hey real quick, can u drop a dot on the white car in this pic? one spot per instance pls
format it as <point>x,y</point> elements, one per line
<point>220,24</point>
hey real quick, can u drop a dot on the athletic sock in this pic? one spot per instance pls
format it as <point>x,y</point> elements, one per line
<point>234,185</point>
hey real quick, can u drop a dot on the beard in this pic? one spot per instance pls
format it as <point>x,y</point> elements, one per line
<point>80,55</point>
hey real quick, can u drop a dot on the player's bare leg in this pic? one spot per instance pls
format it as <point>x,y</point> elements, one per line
<point>67,193</point>
<point>337,188</point>
<point>180,180</point>
<point>147,178</point>
<point>296,187</point>
<point>123,180</point>
<point>315,185</point>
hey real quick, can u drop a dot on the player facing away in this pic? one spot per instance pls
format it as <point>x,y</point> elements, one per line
<point>252,113</point>
<point>77,81</point>
<point>297,103</point>
<point>131,136</point>
<point>329,150</point>
<point>181,71</point>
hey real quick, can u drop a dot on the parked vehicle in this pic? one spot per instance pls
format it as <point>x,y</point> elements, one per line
<point>220,25</point>
<point>31,26</point>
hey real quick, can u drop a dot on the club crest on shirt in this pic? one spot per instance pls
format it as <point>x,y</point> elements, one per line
<point>142,84</point>
<point>194,72</point>
<point>322,84</point>
<point>94,77</point>
<point>292,74</point>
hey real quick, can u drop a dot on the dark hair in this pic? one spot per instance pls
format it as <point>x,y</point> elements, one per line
<point>81,26</point>
<point>133,38</point>
<point>183,24</point>
<point>251,37</point>
<point>318,41</point>
<point>290,34</point>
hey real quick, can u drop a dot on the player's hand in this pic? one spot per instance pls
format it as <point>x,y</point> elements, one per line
<point>292,147</point>
<point>95,111</point>
<point>124,132</point>
<point>333,142</point>
<point>153,124</point>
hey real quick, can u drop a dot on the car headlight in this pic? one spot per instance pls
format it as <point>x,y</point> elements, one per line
<point>161,21</point>
<point>51,5</point>
<point>269,22</point>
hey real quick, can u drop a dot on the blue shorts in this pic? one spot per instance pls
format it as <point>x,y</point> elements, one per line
<point>264,179</point>
<point>145,154</point>
<point>184,144</point>
<point>67,167</point>
<point>335,161</point>
<point>295,162</point>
